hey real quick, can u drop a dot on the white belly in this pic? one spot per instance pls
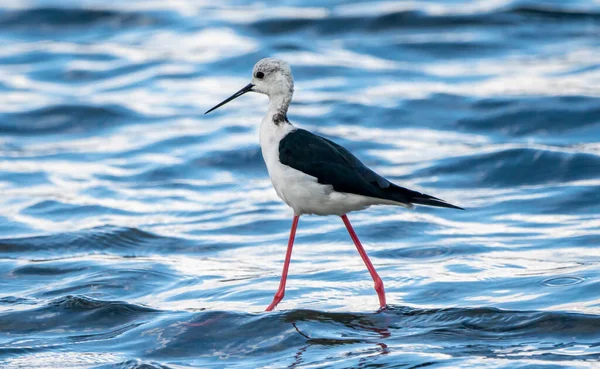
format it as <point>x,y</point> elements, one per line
<point>305,195</point>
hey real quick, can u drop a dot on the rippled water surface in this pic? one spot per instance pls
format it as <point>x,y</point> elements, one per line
<point>135,232</point>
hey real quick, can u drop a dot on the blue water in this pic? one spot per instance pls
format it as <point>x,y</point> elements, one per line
<point>135,232</point>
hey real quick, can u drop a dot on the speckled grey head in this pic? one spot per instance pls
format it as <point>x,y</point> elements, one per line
<point>271,77</point>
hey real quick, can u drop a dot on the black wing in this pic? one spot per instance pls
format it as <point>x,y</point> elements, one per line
<point>333,165</point>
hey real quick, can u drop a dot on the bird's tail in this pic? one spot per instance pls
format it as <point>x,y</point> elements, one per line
<point>414,197</point>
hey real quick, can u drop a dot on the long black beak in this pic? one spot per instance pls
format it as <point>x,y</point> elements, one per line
<point>247,88</point>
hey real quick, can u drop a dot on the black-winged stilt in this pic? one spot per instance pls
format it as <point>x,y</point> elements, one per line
<point>314,175</point>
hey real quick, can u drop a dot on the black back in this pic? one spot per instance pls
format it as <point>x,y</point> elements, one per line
<point>333,165</point>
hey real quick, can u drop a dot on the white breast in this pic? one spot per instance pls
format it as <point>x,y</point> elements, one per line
<point>286,180</point>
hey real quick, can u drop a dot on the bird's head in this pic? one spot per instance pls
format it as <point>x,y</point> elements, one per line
<point>271,77</point>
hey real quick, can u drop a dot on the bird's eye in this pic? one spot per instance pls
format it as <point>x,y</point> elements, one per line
<point>260,75</point>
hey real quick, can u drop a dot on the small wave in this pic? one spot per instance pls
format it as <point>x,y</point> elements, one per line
<point>42,18</point>
<point>554,13</point>
<point>417,18</point>
<point>63,119</point>
<point>75,314</point>
<point>244,161</point>
<point>134,364</point>
<point>519,166</point>
<point>63,211</point>
<point>14,300</point>
<point>433,253</point>
<point>395,20</point>
<point>247,158</point>
<point>107,239</point>
<point>540,117</point>
<point>45,270</point>
<point>84,303</point>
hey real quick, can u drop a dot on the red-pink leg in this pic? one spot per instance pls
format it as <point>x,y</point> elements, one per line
<point>286,264</point>
<point>378,282</point>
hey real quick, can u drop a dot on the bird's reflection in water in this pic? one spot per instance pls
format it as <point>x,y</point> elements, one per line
<point>356,323</point>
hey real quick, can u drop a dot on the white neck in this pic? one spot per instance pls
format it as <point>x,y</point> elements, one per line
<point>279,103</point>
<point>275,125</point>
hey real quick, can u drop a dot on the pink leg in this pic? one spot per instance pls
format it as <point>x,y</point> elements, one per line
<point>286,264</point>
<point>378,282</point>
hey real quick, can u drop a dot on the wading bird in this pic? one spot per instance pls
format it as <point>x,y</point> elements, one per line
<point>314,175</point>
